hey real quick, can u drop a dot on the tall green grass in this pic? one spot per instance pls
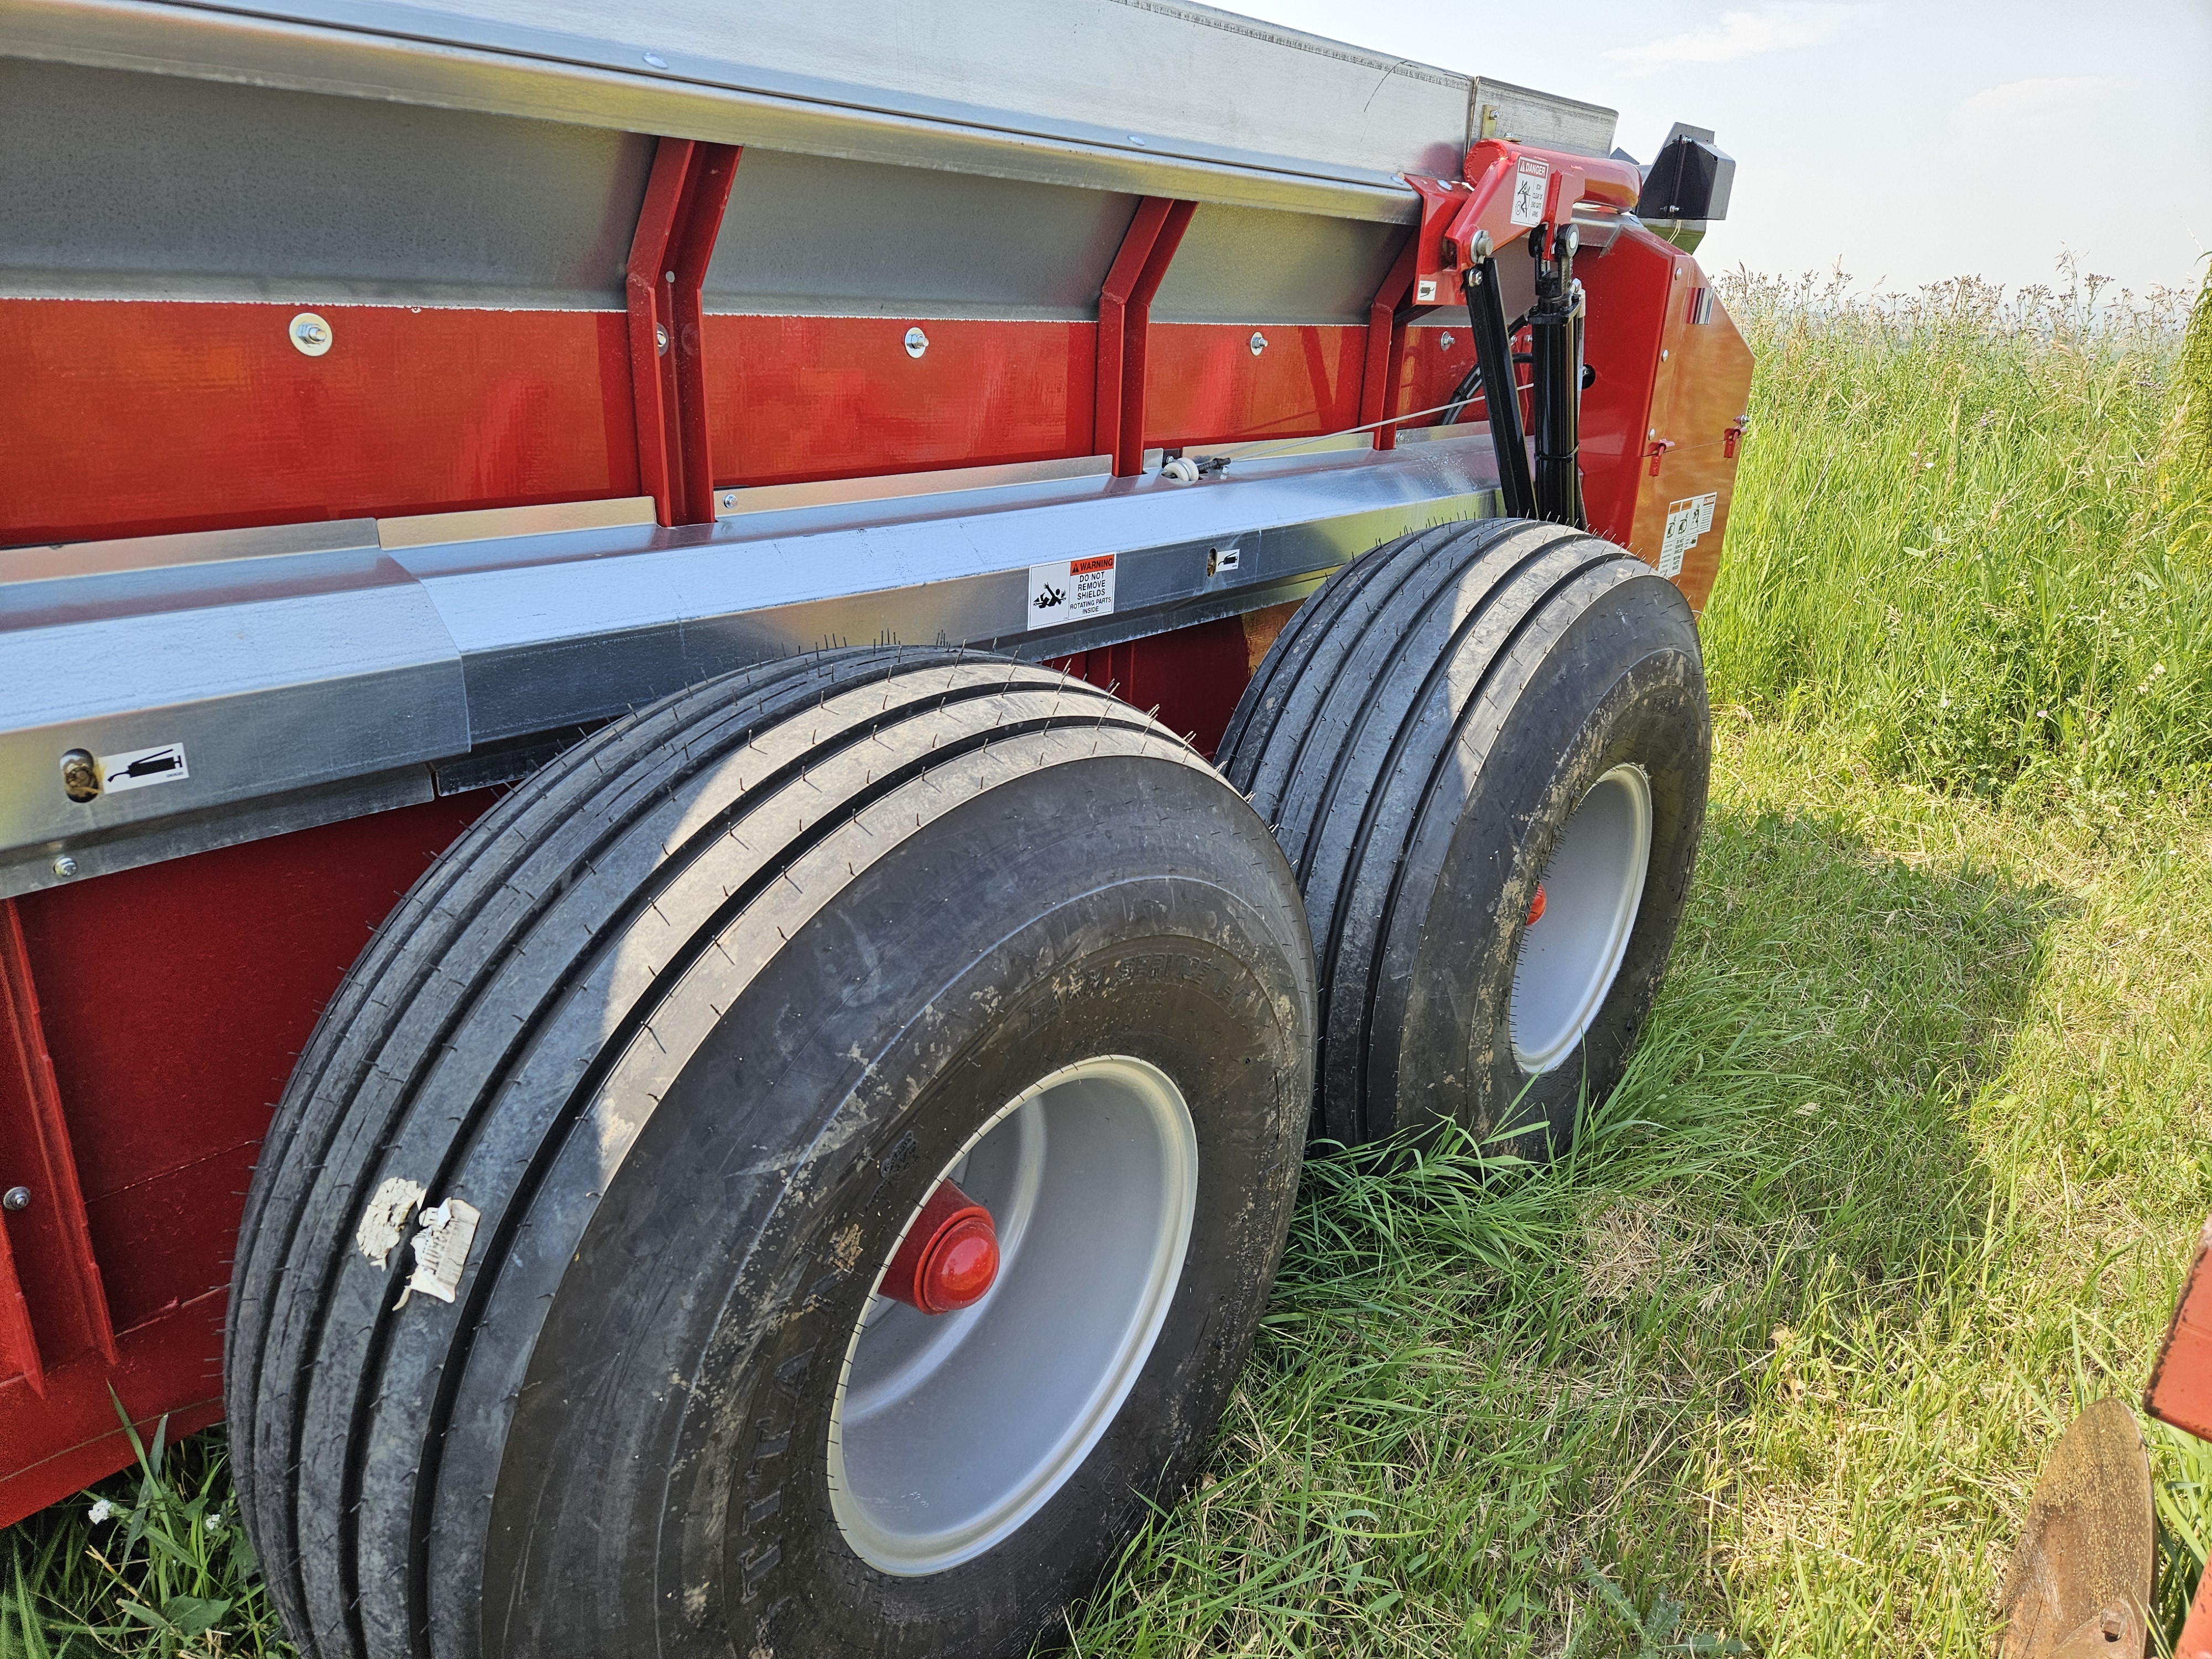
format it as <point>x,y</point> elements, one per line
<point>1976,530</point>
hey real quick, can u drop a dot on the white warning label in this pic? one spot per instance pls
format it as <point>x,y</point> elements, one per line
<point>441,1250</point>
<point>1687,521</point>
<point>1528,182</point>
<point>1074,590</point>
<point>135,769</point>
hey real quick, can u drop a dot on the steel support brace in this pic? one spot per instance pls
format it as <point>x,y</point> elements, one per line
<point>1125,318</point>
<point>46,1245</point>
<point>1386,342</point>
<point>684,198</point>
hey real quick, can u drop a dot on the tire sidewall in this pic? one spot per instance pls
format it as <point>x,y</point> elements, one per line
<point>1649,710</point>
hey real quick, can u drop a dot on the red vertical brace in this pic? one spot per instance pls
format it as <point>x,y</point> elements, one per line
<point>1386,343</point>
<point>51,1242</point>
<point>715,169</point>
<point>1125,308</point>
<point>685,199</point>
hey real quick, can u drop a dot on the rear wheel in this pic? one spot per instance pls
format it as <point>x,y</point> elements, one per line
<point>694,1030</point>
<point>1484,748</point>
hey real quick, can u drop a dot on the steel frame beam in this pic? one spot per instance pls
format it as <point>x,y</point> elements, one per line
<point>46,1247</point>
<point>1386,342</point>
<point>1124,320</point>
<point>684,200</point>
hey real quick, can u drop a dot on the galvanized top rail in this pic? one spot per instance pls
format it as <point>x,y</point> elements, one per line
<point>1153,97</point>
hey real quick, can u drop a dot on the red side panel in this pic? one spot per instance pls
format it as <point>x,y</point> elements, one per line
<point>1204,384</point>
<point>1687,406</point>
<point>1190,678</point>
<point>139,418</point>
<point>791,398</point>
<point>175,999</point>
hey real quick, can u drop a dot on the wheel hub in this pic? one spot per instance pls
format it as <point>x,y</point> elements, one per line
<point>951,1429</point>
<point>1587,900</point>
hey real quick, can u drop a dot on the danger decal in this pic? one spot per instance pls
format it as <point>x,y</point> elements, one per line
<point>1529,181</point>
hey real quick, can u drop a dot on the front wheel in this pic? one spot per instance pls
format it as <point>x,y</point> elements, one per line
<point>1484,748</point>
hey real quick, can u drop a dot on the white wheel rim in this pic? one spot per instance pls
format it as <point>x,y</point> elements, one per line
<point>948,1432</point>
<point>1592,889</point>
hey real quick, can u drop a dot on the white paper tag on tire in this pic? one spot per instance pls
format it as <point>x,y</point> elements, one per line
<point>1687,521</point>
<point>1073,590</point>
<point>441,1250</point>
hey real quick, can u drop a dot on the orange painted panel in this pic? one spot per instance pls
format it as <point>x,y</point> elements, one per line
<point>128,417</point>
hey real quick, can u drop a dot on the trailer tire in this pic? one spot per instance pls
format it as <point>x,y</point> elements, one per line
<point>1457,720</point>
<point>693,1022</point>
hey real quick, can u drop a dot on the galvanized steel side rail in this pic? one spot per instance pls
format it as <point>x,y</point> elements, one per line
<point>1156,99</point>
<point>313,673</point>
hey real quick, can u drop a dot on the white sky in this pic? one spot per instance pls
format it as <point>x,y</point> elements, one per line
<point>1915,139</point>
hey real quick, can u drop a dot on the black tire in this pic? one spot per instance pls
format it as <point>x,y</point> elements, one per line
<point>1420,735</point>
<point>694,1018</point>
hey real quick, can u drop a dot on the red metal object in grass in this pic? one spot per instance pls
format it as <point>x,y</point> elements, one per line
<point>2180,1391</point>
<point>949,1259</point>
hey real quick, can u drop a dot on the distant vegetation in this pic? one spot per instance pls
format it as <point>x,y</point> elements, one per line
<point>1976,530</point>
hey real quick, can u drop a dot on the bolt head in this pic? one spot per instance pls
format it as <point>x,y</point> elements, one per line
<point>15,1198</point>
<point>1258,342</point>
<point>66,866</point>
<point>310,334</point>
<point>916,342</point>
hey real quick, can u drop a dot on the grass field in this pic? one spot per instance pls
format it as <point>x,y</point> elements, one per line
<point>1907,1168</point>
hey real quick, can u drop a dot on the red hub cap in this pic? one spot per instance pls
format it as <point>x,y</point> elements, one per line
<point>949,1258</point>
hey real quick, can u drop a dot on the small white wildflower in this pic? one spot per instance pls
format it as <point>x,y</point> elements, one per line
<point>215,1523</point>
<point>102,1513</point>
<point>2156,669</point>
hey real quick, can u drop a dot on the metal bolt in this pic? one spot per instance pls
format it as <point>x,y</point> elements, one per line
<point>660,338</point>
<point>1258,342</point>
<point>15,1198</point>
<point>66,866</point>
<point>729,499</point>
<point>916,342</point>
<point>1662,356</point>
<point>310,334</point>
<point>1446,343</point>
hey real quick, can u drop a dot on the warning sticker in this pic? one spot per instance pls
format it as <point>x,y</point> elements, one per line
<point>441,1250</point>
<point>1687,521</point>
<point>1074,590</point>
<point>135,769</point>
<point>1528,185</point>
